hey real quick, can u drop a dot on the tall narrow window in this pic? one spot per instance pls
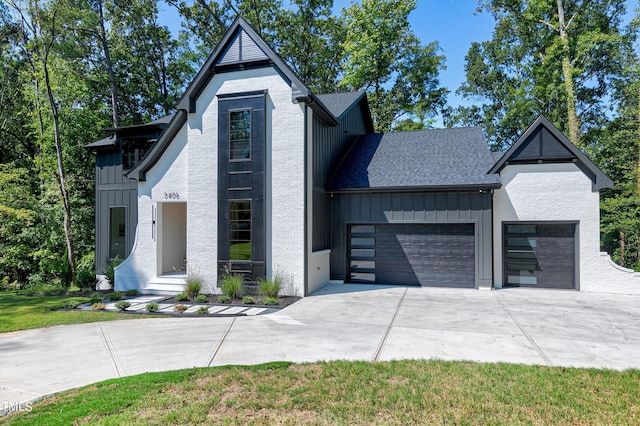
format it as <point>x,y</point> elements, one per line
<point>117,232</point>
<point>240,227</point>
<point>240,135</point>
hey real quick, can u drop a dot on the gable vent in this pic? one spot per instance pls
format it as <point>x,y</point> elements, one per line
<point>242,49</point>
<point>542,145</point>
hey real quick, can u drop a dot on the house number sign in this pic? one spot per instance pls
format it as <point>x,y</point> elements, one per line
<point>171,196</point>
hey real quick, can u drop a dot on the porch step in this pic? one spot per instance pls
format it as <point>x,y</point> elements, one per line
<point>165,284</point>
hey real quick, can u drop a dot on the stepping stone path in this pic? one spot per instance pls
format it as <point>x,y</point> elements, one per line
<point>139,305</point>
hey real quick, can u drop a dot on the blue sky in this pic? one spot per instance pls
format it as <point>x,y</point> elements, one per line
<point>455,24</point>
<point>451,22</point>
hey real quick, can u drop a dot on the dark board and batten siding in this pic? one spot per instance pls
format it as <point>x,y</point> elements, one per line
<point>330,144</point>
<point>418,207</point>
<point>113,189</point>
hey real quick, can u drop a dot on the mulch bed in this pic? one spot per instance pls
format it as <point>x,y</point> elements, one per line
<point>283,301</point>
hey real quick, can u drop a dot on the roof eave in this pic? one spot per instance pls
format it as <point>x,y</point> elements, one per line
<point>480,187</point>
<point>298,89</point>
<point>140,170</point>
<point>601,181</point>
<point>319,108</point>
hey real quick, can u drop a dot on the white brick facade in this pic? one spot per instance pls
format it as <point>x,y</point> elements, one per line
<point>559,192</point>
<point>189,168</point>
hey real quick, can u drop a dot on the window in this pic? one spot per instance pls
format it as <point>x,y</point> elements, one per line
<point>117,232</point>
<point>240,135</point>
<point>240,230</point>
<point>134,150</point>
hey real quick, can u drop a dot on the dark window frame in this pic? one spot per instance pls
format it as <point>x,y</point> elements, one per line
<point>122,232</point>
<point>250,140</point>
<point>238,229</point>
<point>142,146</point>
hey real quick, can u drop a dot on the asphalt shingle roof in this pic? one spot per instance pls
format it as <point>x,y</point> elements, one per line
<point>430,158</point>
<point>108,141</point>
<point>338,103</point>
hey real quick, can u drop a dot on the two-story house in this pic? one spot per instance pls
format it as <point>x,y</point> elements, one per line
<point>255,170</point>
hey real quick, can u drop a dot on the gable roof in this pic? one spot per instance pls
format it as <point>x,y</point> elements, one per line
<point>543,142</point>
<point>240,48</point>
<point>441,159</point>
<point>111,140</point>
<point>339,103</point>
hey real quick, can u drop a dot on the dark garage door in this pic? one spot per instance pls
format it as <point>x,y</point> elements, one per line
<point>539,255</point>
<point>434,255</point>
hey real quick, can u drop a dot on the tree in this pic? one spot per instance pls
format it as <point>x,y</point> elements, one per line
<point>618,154</point>
<point>41,30</point>
<point>384,57</point>
<point>151,68</point>
<point>557,58</point>
<point>314,49</point>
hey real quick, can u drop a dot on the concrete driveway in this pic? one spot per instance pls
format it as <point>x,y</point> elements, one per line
<point>351,322</point>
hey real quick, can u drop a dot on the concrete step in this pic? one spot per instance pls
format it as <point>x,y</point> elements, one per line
<point>164,284</point>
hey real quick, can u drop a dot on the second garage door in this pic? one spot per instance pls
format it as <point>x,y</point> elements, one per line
<point>435,255</point>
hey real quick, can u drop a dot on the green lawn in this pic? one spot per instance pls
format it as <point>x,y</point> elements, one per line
<point>18,312</point>
<point>352,393</point>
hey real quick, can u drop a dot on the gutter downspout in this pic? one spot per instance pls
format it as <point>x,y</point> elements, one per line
<point>493,277</point>
<point>306,196</point>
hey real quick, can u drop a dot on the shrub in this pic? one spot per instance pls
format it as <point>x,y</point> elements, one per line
<point>249,300</point>
<point>96,298</point>
<point>51,290</point>
<point>98,306</point>
<point>5,285</point>
<point>85,272</point>
<point>270,287</point>
<point>71,304</point>
<point>152,307</point>
<point>111,273</point>
<point>202,299</point>
<point>202,310</point>
<point>131,293</point>
<point>116,295</point>
<point>193,287</point>
<point>224,299</point>
<point>231,285</point>
<point>270,301</point>
<point>180,308</point>
<point>181,297</point>
<point>122,305</point>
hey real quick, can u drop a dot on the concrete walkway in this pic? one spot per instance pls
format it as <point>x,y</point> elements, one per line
<point>350,322</point>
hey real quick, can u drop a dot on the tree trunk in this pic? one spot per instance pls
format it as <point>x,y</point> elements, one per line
<point>621,248</point>
<point>567,74</point>
<point>107,58</point>
<point>61,173</point>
